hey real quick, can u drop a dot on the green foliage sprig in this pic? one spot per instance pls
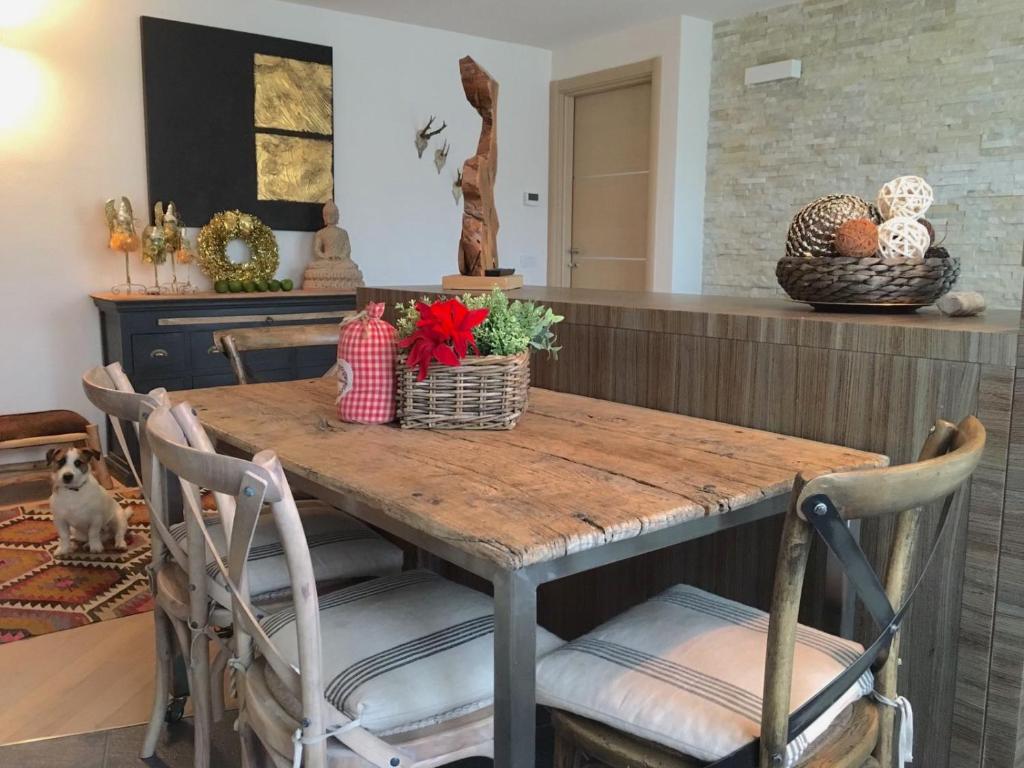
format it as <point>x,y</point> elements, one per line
<point>511,327</point>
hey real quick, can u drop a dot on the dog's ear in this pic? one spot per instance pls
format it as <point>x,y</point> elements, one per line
<point>90,454</point>
<point>54,455</point>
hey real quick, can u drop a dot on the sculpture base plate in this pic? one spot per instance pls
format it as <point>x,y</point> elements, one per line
<point>475,283</point>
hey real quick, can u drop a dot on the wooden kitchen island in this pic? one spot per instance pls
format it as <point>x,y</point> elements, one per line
<point>871,382</point>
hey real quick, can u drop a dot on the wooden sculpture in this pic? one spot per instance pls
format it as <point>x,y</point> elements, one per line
<point>478,246</point>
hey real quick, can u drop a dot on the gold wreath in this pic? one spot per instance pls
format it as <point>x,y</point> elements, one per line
<point>212,243</point>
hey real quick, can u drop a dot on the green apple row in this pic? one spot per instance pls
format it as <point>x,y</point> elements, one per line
<point>252,286</point>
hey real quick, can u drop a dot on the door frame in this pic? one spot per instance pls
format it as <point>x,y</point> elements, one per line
<point>563,100</point>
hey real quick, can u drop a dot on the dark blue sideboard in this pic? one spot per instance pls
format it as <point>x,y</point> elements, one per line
<point>167,341</point>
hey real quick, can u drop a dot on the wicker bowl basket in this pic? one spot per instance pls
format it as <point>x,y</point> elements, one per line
<point>873,280</point>
<point>481,393</point>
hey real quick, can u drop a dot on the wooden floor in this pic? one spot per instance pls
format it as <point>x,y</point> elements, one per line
<point>91,678</point>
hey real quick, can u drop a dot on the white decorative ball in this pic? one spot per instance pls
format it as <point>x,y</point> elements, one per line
<point>903,237</point>
<point>905,196</point>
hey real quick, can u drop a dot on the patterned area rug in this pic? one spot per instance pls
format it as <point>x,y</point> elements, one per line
<point>41,593</point>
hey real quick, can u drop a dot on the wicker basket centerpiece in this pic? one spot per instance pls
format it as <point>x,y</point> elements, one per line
<point>465,363</point>
<point>842,250</point>
<point>486,392</point>
<point>871,280</point>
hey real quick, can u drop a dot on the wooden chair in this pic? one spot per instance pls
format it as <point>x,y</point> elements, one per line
<point>234,341</point>
<point>192,602</point>
<point>46,429</point>
<point>397,671</point>
<point>596,684</point>
<point>110,391</point>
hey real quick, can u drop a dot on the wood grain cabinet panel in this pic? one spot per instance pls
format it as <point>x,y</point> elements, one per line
<point>872,382</point>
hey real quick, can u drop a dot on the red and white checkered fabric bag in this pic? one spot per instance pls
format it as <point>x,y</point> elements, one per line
<point>366,368</point>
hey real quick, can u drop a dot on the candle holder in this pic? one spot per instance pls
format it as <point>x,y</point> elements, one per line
<point>184,255</point>
<point>160,240</point>
<point>123,238</point>
<point>156,289</point>
<point>128,287</point>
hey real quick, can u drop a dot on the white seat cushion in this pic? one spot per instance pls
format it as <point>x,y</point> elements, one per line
<point>340,546</point>
<point>401,652</point>
<point>686,670</point>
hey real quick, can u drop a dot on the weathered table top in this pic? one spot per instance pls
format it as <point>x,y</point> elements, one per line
<point>576,473</point>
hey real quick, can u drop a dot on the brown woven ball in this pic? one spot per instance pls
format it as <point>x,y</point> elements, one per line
<point>857,238</point>
<point>931,229</point>
<point>813,231</point>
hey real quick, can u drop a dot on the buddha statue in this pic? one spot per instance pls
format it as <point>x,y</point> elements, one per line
<point>332,267</point>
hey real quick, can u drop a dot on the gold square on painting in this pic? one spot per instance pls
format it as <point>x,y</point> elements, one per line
<point>295,169</point>
<point>293,95</point>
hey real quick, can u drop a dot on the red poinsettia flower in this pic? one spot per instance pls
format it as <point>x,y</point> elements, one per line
<point>443,333</point>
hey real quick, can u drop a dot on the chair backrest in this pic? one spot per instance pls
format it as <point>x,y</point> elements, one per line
<point>108,388</point>
<point>234,341</point>
<point>254,483</point>
<point>821,504</point>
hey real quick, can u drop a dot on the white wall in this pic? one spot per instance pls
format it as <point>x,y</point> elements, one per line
<point>76,70</point>
<point>684,46</point>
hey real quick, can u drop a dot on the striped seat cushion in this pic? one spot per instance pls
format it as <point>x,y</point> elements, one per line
<point>401,652</point>
<point>341,547</point>
<point>686,670</point>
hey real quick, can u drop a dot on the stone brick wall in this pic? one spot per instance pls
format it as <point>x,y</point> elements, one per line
<point>889,87</point>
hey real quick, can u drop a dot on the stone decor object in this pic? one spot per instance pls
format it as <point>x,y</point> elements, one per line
<point>909,196</point>
<point>478,245</point>
<point>903,237</point>
<point>813,231</point>
<point>332,267</point>
<point>961,304</point>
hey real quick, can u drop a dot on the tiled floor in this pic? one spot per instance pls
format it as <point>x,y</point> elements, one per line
<point>120,749</point>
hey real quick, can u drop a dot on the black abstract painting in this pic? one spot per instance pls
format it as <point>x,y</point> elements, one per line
<point>235,120</point>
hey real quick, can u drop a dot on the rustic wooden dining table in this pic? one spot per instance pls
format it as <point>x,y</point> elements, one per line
<point>578,484</point>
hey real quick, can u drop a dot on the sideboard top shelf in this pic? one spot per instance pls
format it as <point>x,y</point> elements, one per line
<point>121,298</point>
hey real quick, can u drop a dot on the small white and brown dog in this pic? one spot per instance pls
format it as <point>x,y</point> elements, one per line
<point>83,511</point>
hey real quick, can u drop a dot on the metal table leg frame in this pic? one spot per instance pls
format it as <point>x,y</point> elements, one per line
<point>515,659</point>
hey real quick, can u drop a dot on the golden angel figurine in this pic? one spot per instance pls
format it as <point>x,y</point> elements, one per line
<point>159,240</point>
<point>121,224</point>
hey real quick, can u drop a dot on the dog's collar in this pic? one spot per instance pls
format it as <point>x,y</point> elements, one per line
<point>74,488</point>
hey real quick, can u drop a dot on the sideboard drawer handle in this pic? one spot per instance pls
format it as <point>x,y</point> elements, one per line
<point>269,320</point>
<point>213,350</point>
<point>158,353</point>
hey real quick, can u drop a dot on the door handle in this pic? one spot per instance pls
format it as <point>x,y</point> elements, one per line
<point>573,252</point>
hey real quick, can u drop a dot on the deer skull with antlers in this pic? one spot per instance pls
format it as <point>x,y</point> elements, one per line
<point>457,188</point>
<point>424,135</point>
<point>441,156</point>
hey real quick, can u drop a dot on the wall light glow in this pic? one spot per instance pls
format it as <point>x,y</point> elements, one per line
<point>18,13</point>
<point>26,79</point>
<point>23,91</point>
